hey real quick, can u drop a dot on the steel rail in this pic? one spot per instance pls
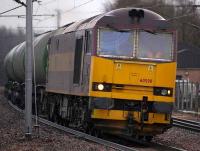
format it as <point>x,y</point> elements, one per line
<point>79,134</point>
<point>95,139</point>
<point>186,124</point>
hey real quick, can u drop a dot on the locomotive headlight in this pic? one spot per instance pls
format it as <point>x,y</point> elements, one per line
<point>105,87</point>
<point>164,92</point>
<point>100,87</point>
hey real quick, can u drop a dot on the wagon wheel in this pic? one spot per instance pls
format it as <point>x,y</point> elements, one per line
<point>148,138</point>
<point>55,117</point>
<point>139,137</point>
<point>97,133</point>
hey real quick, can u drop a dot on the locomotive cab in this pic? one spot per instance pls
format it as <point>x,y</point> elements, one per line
<point>132,76</point>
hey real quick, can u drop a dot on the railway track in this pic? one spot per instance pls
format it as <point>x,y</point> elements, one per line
<point>112,144</point>
<point>186,124</point>
<point>80,134</point>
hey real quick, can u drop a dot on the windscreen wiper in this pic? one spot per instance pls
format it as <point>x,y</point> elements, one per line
<point>150,31</point>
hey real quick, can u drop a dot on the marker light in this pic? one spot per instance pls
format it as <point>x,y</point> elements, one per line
<point>168,92</point>
<point>100,87</point>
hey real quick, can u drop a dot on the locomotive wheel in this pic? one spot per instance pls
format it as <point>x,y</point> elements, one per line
<point>91,131</point>
<point>22,104</point>
<point>95,132</point>
<point>139,137</point>
<point>50,115</point>
<point>55,117</point>
<point>148,138</point>
<point>65,122</point>
<point>13,98</point>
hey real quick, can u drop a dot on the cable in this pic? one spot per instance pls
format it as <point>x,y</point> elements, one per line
<point>193,25</point>
<point>50,1</point>
<point>190,24</point>
<point>40,15</point>
<point>68,10</point>
<point>37,9</point>
<point>177,17</point>
<point>20,2</point>
<point>20,17</point>
<point>11,9</point>
<point>35,88</point>
<point>41,27</point>
<point>23,4</point>
<point>77,6</point>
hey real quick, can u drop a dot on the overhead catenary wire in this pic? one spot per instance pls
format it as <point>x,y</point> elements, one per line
<point>37,9</point>
<point>20,2</point>
<point>20,16</point>
<point>69,10</point>
<point>10,10</point>
<point>40,15</point>
<point>41,27</point>
<point>182,16</point>
<point>78,6</point>
<point>23,4</point>
<point>193,25</point>
<point>48,2</point>
<point>183,22</point>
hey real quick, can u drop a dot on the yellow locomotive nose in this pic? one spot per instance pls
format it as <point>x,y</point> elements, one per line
<point>132,80</point>
<point>137,91</point>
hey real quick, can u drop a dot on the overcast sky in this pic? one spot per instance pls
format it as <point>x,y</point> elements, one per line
<point>84,9</point>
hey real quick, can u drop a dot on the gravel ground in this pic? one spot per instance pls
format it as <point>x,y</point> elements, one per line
<point>12,135</point>
<point>181,138</point>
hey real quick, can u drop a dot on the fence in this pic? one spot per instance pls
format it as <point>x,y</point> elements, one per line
<point>187,96</point>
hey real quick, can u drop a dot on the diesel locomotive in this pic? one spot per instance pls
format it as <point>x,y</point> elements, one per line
<point>114,73</point>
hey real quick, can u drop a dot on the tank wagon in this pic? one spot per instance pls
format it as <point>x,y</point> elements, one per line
<point>113,73</point>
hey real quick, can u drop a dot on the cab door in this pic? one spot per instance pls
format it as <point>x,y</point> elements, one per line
<point>86,61</point>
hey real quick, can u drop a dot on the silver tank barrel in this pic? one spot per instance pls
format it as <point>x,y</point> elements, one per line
<point>14,62</point>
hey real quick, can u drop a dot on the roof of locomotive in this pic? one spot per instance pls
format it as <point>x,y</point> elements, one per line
<point>118,16</point>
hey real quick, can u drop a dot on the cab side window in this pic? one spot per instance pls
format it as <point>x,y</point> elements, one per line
<point>88,41</point>
<point>77,60</point>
